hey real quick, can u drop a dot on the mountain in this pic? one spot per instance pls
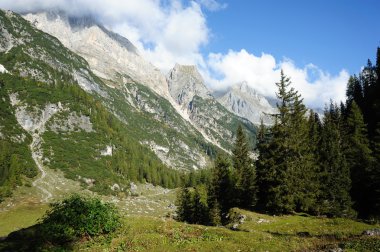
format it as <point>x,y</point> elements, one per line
<point>136,92</point>
<point>244,101</point>
<point>86,107</point>
<point>54,121</point>
<point>188,89</point>
<point>109,55</point>
<point>117,62</point>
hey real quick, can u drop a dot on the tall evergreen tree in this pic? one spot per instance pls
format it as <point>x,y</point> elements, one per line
<point>286,168</point>
<point>244,172</point>
<point>200,208</point>
<point>359,160</point>
<point>334,179</point>
<point>185,205</point>
<point>374,186</point>
<point>220,189</point>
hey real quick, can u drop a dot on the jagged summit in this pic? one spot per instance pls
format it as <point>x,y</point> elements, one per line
<point>110,56</point>
<point>246,102</point>
<point>185,82</point>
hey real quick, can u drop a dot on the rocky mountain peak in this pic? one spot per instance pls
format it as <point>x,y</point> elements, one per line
<point>185,82</point>
<point>110,55</point>
<point>246,102</point>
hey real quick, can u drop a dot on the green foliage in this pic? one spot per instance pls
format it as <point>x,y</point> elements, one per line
<point>362,119</point>
<point>335,182</point>
<point>16,163</point>
<point>77,217</point>
<point>244,172</point>
<point>221,187</point>
<point>359,160</point>
<point>77,153</point>
<point>286,168</point>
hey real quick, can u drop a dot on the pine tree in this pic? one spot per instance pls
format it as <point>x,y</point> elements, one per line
<point>359,160</point>
<point>200,208</point>
<point>185,205</point>
<point>286,168</point>
<point>244,173</point>
<point>334,179</point>
<point>374,187</point>
<point>220,189</point>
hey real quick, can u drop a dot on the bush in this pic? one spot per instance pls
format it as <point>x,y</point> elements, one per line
<point>78,217</point>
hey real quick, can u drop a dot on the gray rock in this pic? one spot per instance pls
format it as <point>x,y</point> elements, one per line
<point>372,232</point>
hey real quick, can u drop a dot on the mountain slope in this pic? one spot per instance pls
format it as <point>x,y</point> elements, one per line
<point>187,87</point>
<point>48,121</point>
<point>246,102</point>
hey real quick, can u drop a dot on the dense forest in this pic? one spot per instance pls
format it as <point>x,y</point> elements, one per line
<point>321,165</point>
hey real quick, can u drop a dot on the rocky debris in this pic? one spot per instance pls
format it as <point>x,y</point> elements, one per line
<point>115,187</point>
<point>88,181</point>
<point>237,219</point>
<point>372,232</point>
<point>2,69</point>
<point>107,151</point>
<point>72,122</point>
<point>262,221</point>
<point>133,187</point>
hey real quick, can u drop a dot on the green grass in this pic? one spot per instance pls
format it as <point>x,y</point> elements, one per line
<point>259,232</point>
<point>21,216</point>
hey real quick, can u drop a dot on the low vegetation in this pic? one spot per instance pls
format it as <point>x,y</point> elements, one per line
<point>245,231</point>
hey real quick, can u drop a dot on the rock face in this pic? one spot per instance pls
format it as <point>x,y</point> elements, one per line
<point>109,55</point>
<point>216,123</point>
<point>184,83</point>
<point>246,102</point>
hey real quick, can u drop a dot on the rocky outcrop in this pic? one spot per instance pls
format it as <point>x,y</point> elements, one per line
<point>246,102</point>
<point>184,83</point>
<point>108,54</point>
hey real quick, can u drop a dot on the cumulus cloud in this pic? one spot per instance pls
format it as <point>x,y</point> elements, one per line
<point>316,86</point>
<point>173,31</point>
<point>164,31</point>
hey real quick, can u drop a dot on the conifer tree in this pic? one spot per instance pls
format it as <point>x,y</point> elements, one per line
<point>185,205</point>
<point>334,179</point>
<point>374,186</point>
<point>286,168</point>
<point>200,207</point>
<point>359,160</point>
<point>244,173</point>
<point>220,189</point>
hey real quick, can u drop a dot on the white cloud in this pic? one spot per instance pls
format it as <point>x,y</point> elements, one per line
<point>165,31</point>
<point>173,31</point>
<point>212,5</point>
<point>317,87</point>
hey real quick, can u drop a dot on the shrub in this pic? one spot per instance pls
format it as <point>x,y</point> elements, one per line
<point>78,217</point>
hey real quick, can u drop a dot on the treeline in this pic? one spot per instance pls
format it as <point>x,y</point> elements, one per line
<point>328,166</point>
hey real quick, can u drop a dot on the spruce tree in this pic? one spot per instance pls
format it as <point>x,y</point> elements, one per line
<point>244,173</point>
<point>359,160</point>
<point>220,189</point>
<point>286,166</point>
<point>334,174</point>
<point>374,186</point>
<point>185,205</point>
<point>200,208</point>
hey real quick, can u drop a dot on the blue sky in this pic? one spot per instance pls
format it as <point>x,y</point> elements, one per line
<point>318,43</point>
<point>332,34</point>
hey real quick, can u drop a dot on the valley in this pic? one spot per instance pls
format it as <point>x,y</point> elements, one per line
<point>163,161</point>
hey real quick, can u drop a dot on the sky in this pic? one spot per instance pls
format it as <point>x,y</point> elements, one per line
<point>318,44</point>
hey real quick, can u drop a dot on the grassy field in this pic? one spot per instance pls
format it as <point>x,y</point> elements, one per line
<point>21,216</point>
<point>258,232</point>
